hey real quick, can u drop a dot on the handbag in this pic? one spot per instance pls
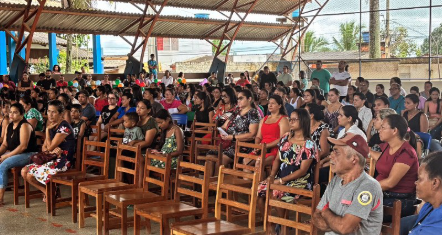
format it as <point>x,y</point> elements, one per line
<point>43,157</point>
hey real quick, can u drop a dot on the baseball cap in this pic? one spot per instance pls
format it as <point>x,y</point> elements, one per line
<point>354,141</point>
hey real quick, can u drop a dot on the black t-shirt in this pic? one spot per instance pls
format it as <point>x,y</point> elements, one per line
<point>267,78</point>
<point>107,114</point>
<point>370,98</point>
<point>203,116</point>
<point>46,83</point>
<point>377,96</point>
<point>375,139</point>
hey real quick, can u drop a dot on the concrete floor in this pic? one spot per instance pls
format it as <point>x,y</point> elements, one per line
<point>17,220</point>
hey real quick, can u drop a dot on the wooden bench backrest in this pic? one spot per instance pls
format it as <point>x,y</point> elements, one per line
<point>163,173</point>
<point>372,167</point>
<point>193,178</point>
<point>311,196</point>
<point>89,157</point>
<point>204,129</point>
<point>250,208</point>
<point>201,152</point>
<point>115,134</point>
<point>395,213</point>
<point>237,165</point>
<point>189,150</point>
<point>95,131</point>
<point>40,137</point>
<point>124,156</point>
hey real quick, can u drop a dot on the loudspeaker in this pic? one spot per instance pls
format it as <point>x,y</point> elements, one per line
<point>219,67</point>
<point>18,66</point>
<point>133,66</point>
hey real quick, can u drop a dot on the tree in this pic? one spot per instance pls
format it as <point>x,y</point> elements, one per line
<point>313,44</point>
<point>349,37</point>
<point>76,39</point>
<point>436,42</point>
<point>375,30</point>
<point>216,42</point>
<point>402,46</point>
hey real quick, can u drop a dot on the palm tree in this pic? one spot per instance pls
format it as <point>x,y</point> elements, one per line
<point>349,37</point>
<point>312,43</point>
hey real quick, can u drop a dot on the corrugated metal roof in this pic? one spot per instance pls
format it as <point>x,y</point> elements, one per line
<point>42,39</point>
<point>76,21</point>
<point>268,7</point>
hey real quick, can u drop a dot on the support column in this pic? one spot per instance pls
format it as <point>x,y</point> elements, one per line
<point>23,51</point>
<point>11,48</point>
<point>53,51</point>
<point>98,63</point>
<point>3,54</point>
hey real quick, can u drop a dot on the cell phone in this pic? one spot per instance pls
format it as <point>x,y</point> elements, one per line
<point>222,131</point>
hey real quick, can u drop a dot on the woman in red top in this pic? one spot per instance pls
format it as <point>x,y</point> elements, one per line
<point>242,80</point>
<point>270,130</point>
<point>101,101</point>
<point>397,165</point>
<point>171,104</point>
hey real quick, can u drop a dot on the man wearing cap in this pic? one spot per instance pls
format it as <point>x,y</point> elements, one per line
<point>352,202</point>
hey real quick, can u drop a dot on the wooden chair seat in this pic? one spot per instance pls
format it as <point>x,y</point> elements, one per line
<point>230,179</point>
<point>134,196</point>
<point>76,177</point>
<point>102,186</point>
<point>166,209</point>
<point>209,226</point>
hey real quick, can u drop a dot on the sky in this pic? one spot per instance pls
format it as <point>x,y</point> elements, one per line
<point>326,25</point>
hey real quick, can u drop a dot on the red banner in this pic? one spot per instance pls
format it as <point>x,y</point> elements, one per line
<point>160,44</point>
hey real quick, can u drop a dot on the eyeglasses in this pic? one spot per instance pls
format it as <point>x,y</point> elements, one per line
<point>293,119</point>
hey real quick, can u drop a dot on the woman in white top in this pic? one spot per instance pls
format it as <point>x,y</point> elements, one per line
<point>296,99</point>
<point>364,113</point>
<point>167,78</point>
<point>349,120</point>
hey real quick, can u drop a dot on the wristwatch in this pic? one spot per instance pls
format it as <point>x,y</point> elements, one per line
<point>233,139</point>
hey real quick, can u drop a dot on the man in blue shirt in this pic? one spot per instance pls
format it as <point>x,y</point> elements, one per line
<point>429,189</point>
<point>397,101</point>
<point>153,66</point>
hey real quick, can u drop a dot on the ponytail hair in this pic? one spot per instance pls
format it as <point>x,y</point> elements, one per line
<point>399,122</point>
<point>248,94</point>
<point>351,111</point>
<point>205,98</point>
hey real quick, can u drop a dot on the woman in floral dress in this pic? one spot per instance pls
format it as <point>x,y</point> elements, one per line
<point>242,126</point>
<point>172,139</point>
<point>294,166</point>
<point>59,140</point>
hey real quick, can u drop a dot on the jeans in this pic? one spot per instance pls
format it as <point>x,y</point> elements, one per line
<point>436,132</point>
<point>435,146</point>
<point>19,160</point>
<point>407,223</point>
<point>407,206</point>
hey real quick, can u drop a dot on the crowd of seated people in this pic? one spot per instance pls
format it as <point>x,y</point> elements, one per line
<point>337,125</point>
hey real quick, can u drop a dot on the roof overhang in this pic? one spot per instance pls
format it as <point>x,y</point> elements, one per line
<point>75,21</point>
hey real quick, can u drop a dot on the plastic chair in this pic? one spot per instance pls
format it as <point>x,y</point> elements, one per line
<point>426,138</point>
<point>181,119</point>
